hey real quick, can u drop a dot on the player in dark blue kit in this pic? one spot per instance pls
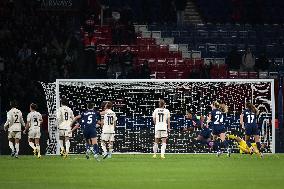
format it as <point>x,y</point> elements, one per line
<point>89,121</point>
<point>217,118</point>
<point>248,122</point>
<point>205,134</point>
<point>190,122</point>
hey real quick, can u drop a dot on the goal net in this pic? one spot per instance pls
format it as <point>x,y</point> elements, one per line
<point>135,101</point>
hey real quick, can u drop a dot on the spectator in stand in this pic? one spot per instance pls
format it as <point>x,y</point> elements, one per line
<point>24,53</point>
<point>248,61</point>
<point>180,6</point>
<point>127,60</point>
<point>145,70</point>
<point>233,60</point>
<point>90,62</point>
<point>114,65</point>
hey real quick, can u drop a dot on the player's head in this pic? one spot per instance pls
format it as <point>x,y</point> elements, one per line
<point>108,105</point>
<point>223,108</point>
<point>251,107</point>
<point>90,106</point>
<point>215,105</point>
<point>162,103</point>
<point>13,104</point>
<point>64,101</point>
<point>103,105</point>
<point>33,107</point>
<point>189,115</point>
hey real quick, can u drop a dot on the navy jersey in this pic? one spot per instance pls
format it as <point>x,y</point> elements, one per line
<point>89,119</point>
<point>249,117</point>
<point>217,117</point>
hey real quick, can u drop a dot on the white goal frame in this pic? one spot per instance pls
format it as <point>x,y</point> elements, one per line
<point>58,81</point>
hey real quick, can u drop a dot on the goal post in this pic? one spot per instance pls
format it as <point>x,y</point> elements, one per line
<point>135,100</point>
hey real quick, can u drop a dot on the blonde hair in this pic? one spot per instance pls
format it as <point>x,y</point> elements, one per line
<point>216,104</point>
<point>223,108</point>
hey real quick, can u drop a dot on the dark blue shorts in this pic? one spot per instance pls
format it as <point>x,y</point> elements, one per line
<point>251,129</point>
<point>205,133</point>
<point>218,129</point>
<point>90,133</point>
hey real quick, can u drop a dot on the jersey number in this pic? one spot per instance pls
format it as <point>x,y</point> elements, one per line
<point>110,120</point>
<point>17,119</point>
<point>161,117</point>
<point>219,119</point>
<point>90,119</point>
<point>36,122</point>
<point>250,118</point>
<point>66,116</point>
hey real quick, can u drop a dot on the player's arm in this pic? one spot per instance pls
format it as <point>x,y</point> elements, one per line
<point>115,120</point>
<point>154,117</point>
<point>75,120</point>
<point>242,120</point>
<point>169,121</point>
<point>77,125</point>
<point>27,124</point>
<point>40,119</point>
<point>7,123</point>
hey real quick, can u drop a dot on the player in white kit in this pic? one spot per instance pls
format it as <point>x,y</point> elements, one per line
<point>65,117</point>
<point>14,125</point>
<point>161,118</point>
<point>108,130</point>
<point>34,121</point>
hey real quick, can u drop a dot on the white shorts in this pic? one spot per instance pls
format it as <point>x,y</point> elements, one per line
<point>14,134</point>
<point>161,134</point>
<point>34,132</point>
<point>108,137</point>
<point>64,133</point>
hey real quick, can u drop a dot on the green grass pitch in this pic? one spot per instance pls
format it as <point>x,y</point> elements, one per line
<point>141,171</point>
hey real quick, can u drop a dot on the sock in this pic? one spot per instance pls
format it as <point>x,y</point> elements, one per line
<point>67,145</point>
<point>103,145</point>
<point>216,146</point>
<point>87,146</point>
<point>110,148</point>
<point>96,148</point>
<point>38,148</point>
<point>32,145</point>
<point>258,146</point>
<point>61,145</point>
<point>248,143</point>
<point>11,145</point>
<point>163,149</point>
<point>17,145</point>
<point>155,148</point>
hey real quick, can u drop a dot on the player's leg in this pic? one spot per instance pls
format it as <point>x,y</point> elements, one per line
<point>164,146</point>
<point>11,144</point>
<point>258,145</point>
<point>156,142</point>
<point>103,145</point>
<point>225,144</point>
<point>61,142</point>
<point>67,146</point>
<point>17,143</point>
<point>95,148</point>
<point>88,144</point>
<point>32,145</point>
<point>37,147</point>
<point>110,144</point>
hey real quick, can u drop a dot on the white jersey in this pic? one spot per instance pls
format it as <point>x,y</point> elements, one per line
<point>34,118</point>
<point>109,121</point>
<point>14,120</point>
<point>161,115</point>
<point>64,117</point>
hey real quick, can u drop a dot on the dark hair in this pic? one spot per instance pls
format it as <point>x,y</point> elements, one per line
<point>64,101</point>
<point>33,106</point>
<point>252,107</point>
<point>90,105</point>
<point>109,105</point>
<point>103,105</point>
<point>161,103</point>
<point>13,103</point>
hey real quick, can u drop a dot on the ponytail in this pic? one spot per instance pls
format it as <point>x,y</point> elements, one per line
<point>223,108</point>
<point>252,108</point>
